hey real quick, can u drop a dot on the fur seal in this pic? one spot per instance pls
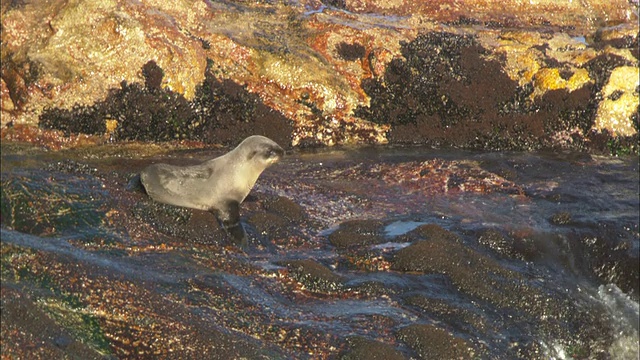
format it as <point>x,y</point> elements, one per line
<point>218,185</point>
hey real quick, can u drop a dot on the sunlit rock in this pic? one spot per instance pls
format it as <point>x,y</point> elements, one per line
<point>313,62</point>
<point>620,102</point>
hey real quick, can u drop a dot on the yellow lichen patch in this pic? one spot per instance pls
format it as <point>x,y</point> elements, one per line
<point>624,78</point>
<point>623,53</point>
<point>579,79</point>
<point>620,102</point>
<point>568,50</point>
<point>111,125</point>
<point>525,52</point>
<point>549,79</point>
<point>517,48</point>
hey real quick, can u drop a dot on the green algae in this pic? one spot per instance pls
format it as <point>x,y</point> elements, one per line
<point>64,308</point>
<point>50,205</point>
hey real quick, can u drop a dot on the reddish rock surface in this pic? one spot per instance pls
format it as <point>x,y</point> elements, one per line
<point>526,76</point>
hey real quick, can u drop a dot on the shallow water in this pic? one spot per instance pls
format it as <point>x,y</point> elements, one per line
<point>570,243</point>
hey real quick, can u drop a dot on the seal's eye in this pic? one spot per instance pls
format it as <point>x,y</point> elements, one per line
<point>273,153</point>
<point>269,154</point>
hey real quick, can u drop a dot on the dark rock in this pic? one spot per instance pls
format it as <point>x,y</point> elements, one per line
<point>364,349</point>
<point>600,68</point>
<point>561,218</point>
<point>351,52</point>
<point>443,310</point>
<point>432,99</point>
<point>192,225</point>
<point>314,276</point>
<point>471,272</point>
<point>221,112</point>
<point>496,241</point>
<point>72,167</point>
<point>431,342</point>
<point>431,96</point>
<point>271,225</point>
<point>153,75</point>
<point>357,233</point>
<point>287,208</point>
<point>434,232</point>
<point>79,119</point>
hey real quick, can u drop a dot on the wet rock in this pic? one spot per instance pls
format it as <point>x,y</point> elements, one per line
<point>440,309</point>
<point>30,332</point>
<point>287,208</point>
<point>496,241</point>
<point>314,276</point>
<point>44,206</point>
<point>435,232</point>
<point>271,225</point>
<point>561,218</point>
<point>364,259</point>
<point>435,176</point>
<point>357,233</point>
<point>192,225</point>
<point>72,166</point>
<point>105,317</point>
<point>432,342</point>
<point>365,349</point>
<point>470,271</point>
<point>618,264</point>
<point>277,219</point>
<point>200,299</point>
<point>373,288</point>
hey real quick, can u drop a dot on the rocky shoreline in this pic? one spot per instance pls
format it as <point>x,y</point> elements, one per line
<point>557,76</point>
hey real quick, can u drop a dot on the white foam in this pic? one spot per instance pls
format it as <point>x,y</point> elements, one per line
<point>401,227</point>
<point>625,317</point>
<point>391,246</point>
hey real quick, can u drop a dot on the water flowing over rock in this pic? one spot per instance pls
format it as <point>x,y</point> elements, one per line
<point>368,253</point>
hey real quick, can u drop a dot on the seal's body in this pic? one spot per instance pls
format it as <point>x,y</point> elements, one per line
<point>218,185</point>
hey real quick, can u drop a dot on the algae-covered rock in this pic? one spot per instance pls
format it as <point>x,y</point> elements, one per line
<point>357,233</point>
<point>44,206</point>
<point>314,276</point>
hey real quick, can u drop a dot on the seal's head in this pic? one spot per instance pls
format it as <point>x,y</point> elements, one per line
<point>261,151</point>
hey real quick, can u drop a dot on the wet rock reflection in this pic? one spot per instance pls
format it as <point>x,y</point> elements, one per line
<point>92,270</point>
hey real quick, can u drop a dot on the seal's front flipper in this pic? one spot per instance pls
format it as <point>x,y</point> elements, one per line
<point>230,220</point>
<point>238,234</point>
<point>135,185</point>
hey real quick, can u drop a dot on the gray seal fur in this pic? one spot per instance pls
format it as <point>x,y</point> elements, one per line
<point>218,185</point>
